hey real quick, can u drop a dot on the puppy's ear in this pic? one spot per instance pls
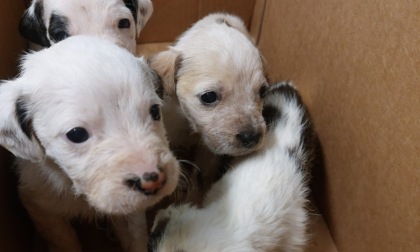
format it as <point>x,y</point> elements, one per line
<point>32,26</point>
<point>167,65</point>
<point>145,10</point>
<point>154,77</point>
<point>16,132</point>
<point>142,10</point>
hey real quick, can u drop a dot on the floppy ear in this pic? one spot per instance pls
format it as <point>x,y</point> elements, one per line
<point>152,75</point>
<point>167,64</point>
<point>141,10</point>
<point>32,26</point>
<point>144,12</point>
<point>16,132</point>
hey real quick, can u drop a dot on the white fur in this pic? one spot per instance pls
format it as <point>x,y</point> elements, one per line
<point>97,18</point>
<point>91,83</point>
<point>216,54</point>
<point>259,204</point>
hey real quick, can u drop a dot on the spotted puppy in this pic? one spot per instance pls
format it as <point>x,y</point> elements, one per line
<point>260,203</point>
<point>47,22</point>
<point>84,121</point>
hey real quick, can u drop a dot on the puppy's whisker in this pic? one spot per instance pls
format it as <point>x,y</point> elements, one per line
<point>190,163</point>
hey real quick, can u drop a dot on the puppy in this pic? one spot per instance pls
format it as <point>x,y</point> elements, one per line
<point>84,120</point>
<point>214,80</point>
<point>260,203</point>
<point>47,22</point>
<point>214,84</point>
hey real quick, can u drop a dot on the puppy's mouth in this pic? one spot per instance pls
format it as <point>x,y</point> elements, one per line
<point>234,147</point>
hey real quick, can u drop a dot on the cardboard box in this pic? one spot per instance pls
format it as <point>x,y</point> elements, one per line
<point>357,64</point>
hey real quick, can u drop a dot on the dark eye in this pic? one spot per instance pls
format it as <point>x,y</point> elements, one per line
<point>208,98</point>
<point>155,112</point>
<point>77,135</point>
<point>59,36</point>
<point>263,91</point>
<point>124,23</point>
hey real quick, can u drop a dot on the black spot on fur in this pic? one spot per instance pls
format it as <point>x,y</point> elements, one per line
<point>58,29</point>
<point>157,235</point>
<point>22,117</point>
<point>309,137</point>
<point>33,27</point>
<point>271,116</point>
<point>132,5</point>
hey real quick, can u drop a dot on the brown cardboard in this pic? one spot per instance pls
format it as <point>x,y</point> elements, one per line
<point>11,44</point>
<point>357,65</point>
<point>171,18</point>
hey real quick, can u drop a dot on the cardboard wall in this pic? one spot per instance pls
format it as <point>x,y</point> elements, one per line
<point>357,64</point>
<point>171,18</point>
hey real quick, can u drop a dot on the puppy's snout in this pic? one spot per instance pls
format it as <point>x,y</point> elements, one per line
<point>249,138</point>
<point>149,183</point>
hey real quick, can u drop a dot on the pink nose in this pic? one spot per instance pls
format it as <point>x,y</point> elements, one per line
<point>149,183</point>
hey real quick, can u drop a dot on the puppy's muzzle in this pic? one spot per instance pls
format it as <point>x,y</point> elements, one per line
<point>149,183</point>
<point>249,138</point>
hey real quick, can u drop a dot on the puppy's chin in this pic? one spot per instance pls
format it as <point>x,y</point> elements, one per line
<point>123,201</point>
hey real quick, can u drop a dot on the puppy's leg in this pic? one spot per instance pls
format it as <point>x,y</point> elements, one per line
<point>131,231</point>
<point>56,230</point>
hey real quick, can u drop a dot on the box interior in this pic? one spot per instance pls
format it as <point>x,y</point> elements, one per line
<point>356,64</point>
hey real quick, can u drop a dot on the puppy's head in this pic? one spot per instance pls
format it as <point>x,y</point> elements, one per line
<point>217,74</point>
<point>91,107</point>
<point>49,21</point>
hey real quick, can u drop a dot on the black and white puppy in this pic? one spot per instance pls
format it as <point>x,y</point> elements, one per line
<point>260,204</point>
<point>47,22</point>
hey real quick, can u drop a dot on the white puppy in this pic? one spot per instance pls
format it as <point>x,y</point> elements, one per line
<point>260,203</point>
<point>49,21</point>
<point>214,82</point>
<point>84,120</point>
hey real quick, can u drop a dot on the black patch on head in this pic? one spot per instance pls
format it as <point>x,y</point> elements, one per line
<point>58,29</point>
<point>223,21</point>
<point>156,235</point>
<point>132,5</point>
<point>33,27</point>
<point>22,117</point>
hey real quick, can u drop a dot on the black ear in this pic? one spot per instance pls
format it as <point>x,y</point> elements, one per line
<point>32,25</point>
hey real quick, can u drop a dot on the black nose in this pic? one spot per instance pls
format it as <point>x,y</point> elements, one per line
<point>148,184</point>
<point>249,138</point>
<point>134,183</point>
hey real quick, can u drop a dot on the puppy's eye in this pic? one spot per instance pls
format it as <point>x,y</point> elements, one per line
<point>263,91</point>
<point>59,36</point>
<point>155,112</point>
<point>209,98</point>
<point>124,23</point>
<point>78,135</point>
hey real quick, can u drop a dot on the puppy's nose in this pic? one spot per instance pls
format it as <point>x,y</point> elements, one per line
<point>249,139</point>
<point>149,183</point>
